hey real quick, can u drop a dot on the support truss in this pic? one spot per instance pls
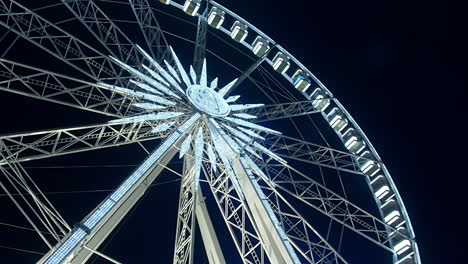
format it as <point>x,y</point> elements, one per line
<point>52,87</point>
<point>334,206</point>
<point>308,152</point>
<point>57,42</point>
<point>246,74</point>
<point>32,203</point>
<point>281,111</point>
<point>44,144</point>
<point>201,39</point>
<point>185,232</point>
<point>236,215</point>
<point>151,30</point>
<point>106,31</point>
<point>208,233</point>
<point>306,240</point>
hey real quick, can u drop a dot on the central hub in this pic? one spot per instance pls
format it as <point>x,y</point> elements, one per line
<point>208,100</point>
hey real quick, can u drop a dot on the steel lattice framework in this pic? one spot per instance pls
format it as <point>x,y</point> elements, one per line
<point>261,164</point>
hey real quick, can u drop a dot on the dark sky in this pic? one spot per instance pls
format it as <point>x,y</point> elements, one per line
<point>393,64</point>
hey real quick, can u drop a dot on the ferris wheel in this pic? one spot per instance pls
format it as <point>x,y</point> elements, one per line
<point>266,148</point>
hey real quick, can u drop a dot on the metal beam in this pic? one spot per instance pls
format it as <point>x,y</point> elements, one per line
<point>304,237</point>
<point>236,215</point>
<point>276,244</point>
<point>151,30</point>
<point>297,149</point>
<point>185,231</point>
<point>246,74</point>
<point>105,31</point>
<point>281,111</point>
<point>50,143</point>
<point>57,42</point>
<point>208,234</point>
<point>57,88</point>
<point>95,228</point>
<point>201,39</point>
<point>334,206</point>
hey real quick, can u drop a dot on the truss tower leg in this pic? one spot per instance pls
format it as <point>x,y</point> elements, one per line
<point>275,242</point>
<point>95,228</point>
<point>210,240</point>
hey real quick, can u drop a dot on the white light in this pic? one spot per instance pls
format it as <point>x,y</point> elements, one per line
<point>402,246</point>
<point>190,3</point>
<point>185,146</point>
<point>277,63</point>
<point>384,190</point>
<point>350,141</point>
<point>211,156</point>
<point>228,87</point>
<point>245,116</point>
<point>392,217</point>
<point>149,106</point>
<point>235,31</point>
<point>162,127</point>
<point>250,125</point>
<point>212,17</point>
<point>239,107</point>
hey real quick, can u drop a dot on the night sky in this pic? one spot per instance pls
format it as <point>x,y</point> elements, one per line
<point>392,64</point>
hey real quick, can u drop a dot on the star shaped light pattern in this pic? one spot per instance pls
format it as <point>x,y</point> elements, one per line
<point>166,94</point>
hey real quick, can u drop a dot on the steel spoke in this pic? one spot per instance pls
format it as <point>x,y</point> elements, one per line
<point>53,87</point>
<point>329,203</point>
<point>50,143</point>
<point>281,111</point>
<point>151,30</point>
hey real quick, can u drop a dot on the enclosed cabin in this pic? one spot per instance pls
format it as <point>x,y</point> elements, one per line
<point>301,80</point>
<point>319,100</point>
<point>392,214</point>
<point>165,1</point>
<point>216,17</point>
<point>367,164</point>
<point>260,46</point>
<point>353,141</point>
<point>401,243</point>
<point>337,119</point>
<point>239,31</point>
<point>191,7</point>
<point>381,188</point>
<point>281,62</point>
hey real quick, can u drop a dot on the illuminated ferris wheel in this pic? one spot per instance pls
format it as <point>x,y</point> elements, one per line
<point>265,146</point>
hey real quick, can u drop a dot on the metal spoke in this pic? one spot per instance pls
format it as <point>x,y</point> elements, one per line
<point>236,215</point>
<point>105,30</point>
<point>53,87</point>
<point>201,39</point>
<point>308,152</point>
<point>49,143</point>
<point>281,111</point>
<point>185,232</point>
<point>208,233</point>
<point>33,204</point>
<point>57,42</point>
<point>304,237</point>
<point>331,204</point>
<point>151,30</point>
<point>246,73</point>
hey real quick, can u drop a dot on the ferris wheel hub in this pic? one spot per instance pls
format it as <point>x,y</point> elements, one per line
<point>208,101</point>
